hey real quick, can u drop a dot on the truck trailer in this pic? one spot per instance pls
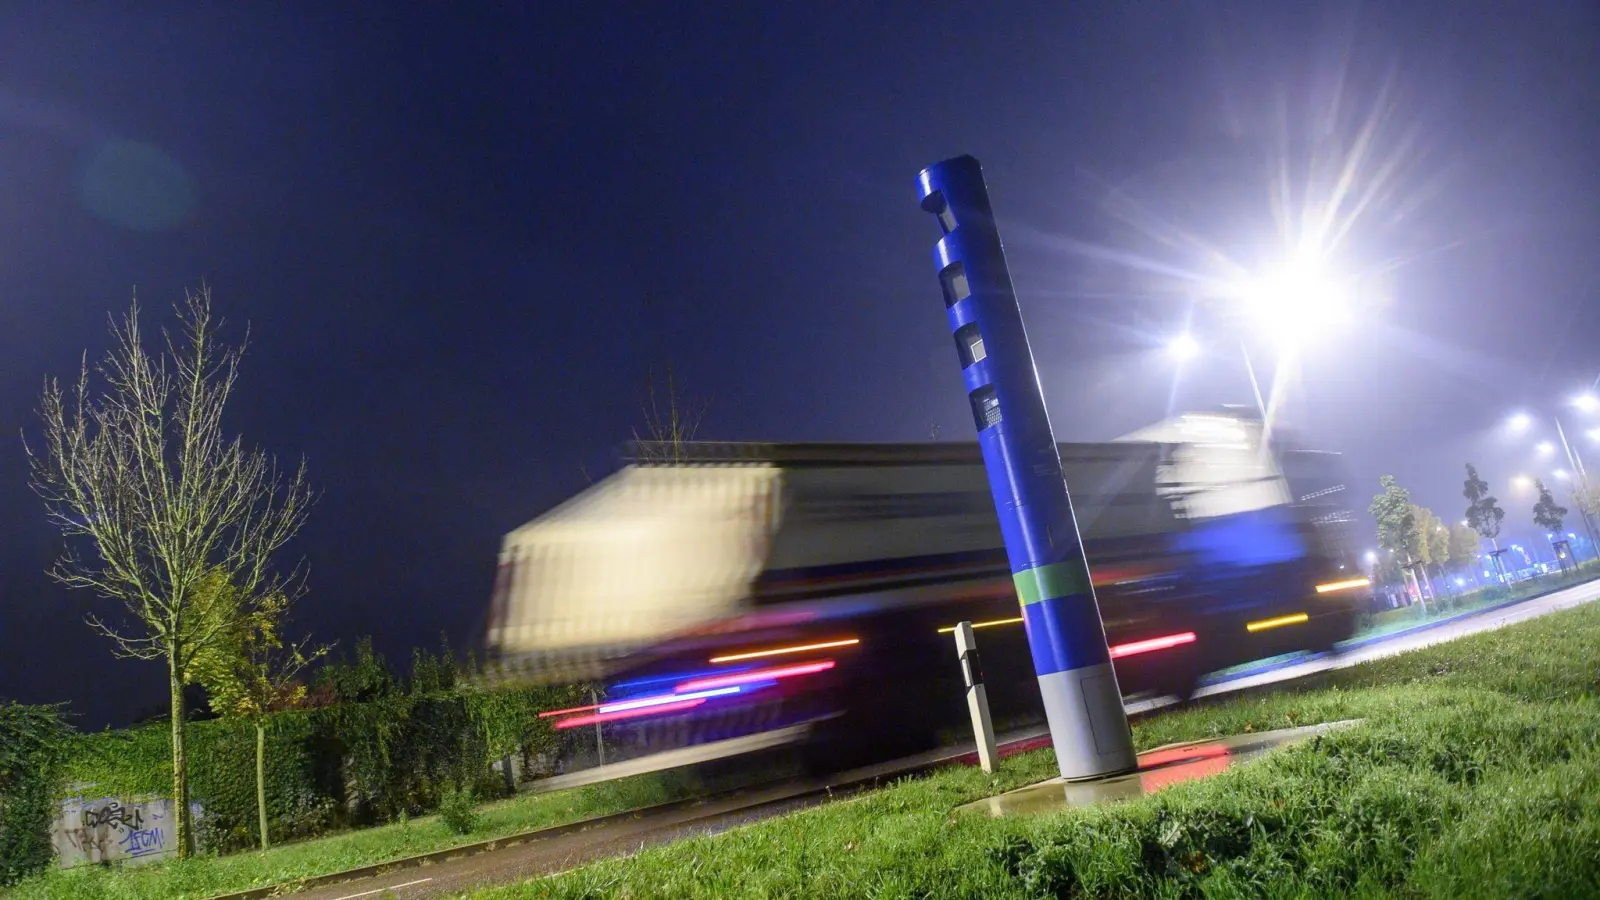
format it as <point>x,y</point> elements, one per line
<point>1206,550</point>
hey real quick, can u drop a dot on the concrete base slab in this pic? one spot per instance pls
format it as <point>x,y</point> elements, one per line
<point>1158,768</point>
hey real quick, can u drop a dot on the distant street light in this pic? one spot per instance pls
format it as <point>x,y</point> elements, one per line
<point>1521,421</point>
<point>1184,348</point>
<point>1521,483</point>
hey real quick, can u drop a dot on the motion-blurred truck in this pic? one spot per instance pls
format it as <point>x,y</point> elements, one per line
<point>745,587</point>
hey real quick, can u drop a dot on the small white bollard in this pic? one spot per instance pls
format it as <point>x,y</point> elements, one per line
<point>977,699</point>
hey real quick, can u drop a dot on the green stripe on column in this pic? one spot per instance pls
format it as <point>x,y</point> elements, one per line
<point>1049,582</point>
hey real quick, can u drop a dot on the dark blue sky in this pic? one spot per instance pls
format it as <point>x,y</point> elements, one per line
<point>461,233</point>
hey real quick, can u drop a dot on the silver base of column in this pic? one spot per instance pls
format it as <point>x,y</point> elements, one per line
<point>1087,724</point>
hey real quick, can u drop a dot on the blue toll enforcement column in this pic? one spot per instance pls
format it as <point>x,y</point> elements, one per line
<point>1065,635</point>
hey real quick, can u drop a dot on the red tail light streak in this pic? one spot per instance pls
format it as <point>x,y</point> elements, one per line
<point>1134,648</point>
<point>575,721</point>
<point>754,675</point>
<point>643,706</point>
<point>687,695</point>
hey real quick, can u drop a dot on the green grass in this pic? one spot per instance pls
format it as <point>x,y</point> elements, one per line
<point>904,837</point>
<point>1477,773</point>
<point>208,876</point>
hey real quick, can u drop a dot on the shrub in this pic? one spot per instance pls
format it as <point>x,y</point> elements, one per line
<point>32,745</point>
<point>341,765</point>
<point>457,809</point>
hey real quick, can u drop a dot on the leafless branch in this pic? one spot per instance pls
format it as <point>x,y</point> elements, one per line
<point>136,470</point>
<point>670,421</point>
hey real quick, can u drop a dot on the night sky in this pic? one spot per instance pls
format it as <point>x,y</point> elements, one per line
<point>463,233</point>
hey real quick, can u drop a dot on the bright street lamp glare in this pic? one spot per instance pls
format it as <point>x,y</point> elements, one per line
<point>1594,434</point>
<point>1521,482</point>
<point>1546,448</point>
<point>1586,402</point>
<point>1183,348</point>
<point>1561,474</point>
<point>1297,301</point>
<point>1519,422</point>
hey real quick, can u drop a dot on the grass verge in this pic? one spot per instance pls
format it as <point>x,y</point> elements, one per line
<point>1448,606</point>
<point>1477,773</point>
<point>208,876</point>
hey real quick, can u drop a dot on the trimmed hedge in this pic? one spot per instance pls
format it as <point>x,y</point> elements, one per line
<point>33,742</point>
<point>351,764</point>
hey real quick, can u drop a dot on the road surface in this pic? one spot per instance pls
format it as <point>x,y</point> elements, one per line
<point>557,854</point>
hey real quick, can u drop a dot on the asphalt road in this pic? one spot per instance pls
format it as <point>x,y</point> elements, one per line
<point>557,854</point>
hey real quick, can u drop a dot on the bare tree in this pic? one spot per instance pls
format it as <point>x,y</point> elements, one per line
<point>153,498</point>
<point>670,421</point>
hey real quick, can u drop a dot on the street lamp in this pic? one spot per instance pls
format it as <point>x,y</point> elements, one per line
<point>1587,402</point>
<point>1299,299</point>
<point>1290,304</point>
<point>1521,482</point>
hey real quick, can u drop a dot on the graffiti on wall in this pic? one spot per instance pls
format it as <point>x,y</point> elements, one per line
<point>109,829</point>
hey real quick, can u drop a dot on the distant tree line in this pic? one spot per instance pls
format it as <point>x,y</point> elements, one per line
<point>1415,543</point>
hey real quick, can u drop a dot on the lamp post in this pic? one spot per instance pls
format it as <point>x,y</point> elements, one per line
<point>1521,421</point>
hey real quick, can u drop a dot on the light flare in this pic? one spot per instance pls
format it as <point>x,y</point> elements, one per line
<point>780,651</point>
<point>664,700</point>
<point>740,678</point>
<point>989,624</point>
<point>1134,648</point>
<point>1345,585</point>
<point>1279,622</point>
<point>575,721</point>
